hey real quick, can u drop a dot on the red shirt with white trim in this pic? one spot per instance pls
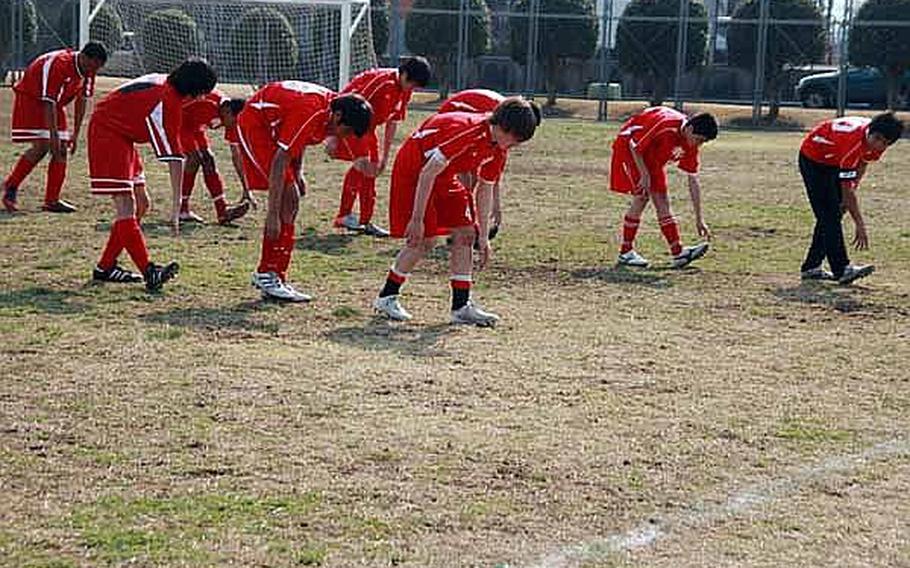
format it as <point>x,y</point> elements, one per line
<point>382,89</point>
<point>146,109</point>
<point>472,100</point>
<point>56,77</point>
<point>204,113</point>
<point>464,142</point>
<point>841,143</point>
<point>298,113</point>
<point>656,134</point>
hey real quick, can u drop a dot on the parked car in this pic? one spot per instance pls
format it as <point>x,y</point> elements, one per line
<point>865,86</point>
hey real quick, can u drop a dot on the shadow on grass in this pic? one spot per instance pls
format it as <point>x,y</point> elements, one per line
<point>158,227</point>
<point>42,300</point>
<point>839,298</point>
<point>406,339</point>
<point>623,275</point>
<point>236,318</point>
<point>332,243</point>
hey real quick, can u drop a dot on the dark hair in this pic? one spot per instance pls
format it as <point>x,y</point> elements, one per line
<point>95,50</point>
<point>355,111</point>
<point>888,126</point>
<point>234,105</point>
<point>193,77</point>
<point>538,114</point>
<point>517,117</point>
<point>704,124</point>
<point>417,69</point>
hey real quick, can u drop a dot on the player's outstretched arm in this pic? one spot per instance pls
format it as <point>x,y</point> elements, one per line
<point>483,202</point>
<point>175,169</point>
<point>388,138</point>
<point>237,161</point>
<point>496,215</point>
<point>695,195</point>
<point>276,188</point>
<point>644,177</point>
<point>851,204</point>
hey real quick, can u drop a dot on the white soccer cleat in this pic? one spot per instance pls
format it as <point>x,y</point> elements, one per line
<point>191,217</point>
<point>390,307</point>
<point>817,273</point>
<point>633,259</point>
<point>273,288</point>
<point>852,273</point>
<point>296,295</point>
<point>349,222</point>
<point>472,314</point>
<point>689,255</point>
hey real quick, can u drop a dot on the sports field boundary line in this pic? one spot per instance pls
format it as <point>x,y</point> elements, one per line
<point>701,513</point>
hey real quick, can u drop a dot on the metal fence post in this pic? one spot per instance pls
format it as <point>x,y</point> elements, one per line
<point>760,52</point>
<point>531,62</point>
<point>842,62</point>
<point>682,38</point>
<point>394,33</point>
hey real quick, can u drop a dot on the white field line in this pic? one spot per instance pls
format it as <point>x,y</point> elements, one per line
<point>701,514</point>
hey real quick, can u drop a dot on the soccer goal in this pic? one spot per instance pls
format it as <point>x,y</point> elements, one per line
<point>248,41</point>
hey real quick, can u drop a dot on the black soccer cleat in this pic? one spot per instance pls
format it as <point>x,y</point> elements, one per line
<point>10,201</point>
<point>59,206</point>
<point>115,274</point>
<point>156,276</point>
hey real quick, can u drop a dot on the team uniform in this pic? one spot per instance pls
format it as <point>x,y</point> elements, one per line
<point>53,77</point>
<point>199,116</point>
<point>656,134</point>
<point>288,115</point>
<point>830,159</point>
<point>382,89</point>
<point>472,100</point>
<point>145,110</point>
<point>464,142</point>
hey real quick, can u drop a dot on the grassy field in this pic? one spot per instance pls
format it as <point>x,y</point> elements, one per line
<point>724,415</point>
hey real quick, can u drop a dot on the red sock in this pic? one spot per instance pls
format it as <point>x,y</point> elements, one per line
<point>670,228</point>
<point>349,191</point>
<point>215,185</point>
<point>286,241</point>
<point>20,172</point>
<point>367,199</point>
<point>189,182</point>
<point>114,246</point>
<point>629,230</point>
<point>134,242</point>
<point>56,175</point>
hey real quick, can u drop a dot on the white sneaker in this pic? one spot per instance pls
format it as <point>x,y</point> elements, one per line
<point>852,273</point>
<point>690,254</point>
<point>390,307</point>
<point>472,314</point>
<point>817,273</point>
<point>191,217</point>
<point>349,222</point>
<point>632,258</point>
<point>273,288</point>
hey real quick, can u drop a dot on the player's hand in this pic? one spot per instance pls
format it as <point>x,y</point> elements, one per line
<point>703,230</point>
<point>248,198</point>
<point>496,217</point>
<point>414,232</point>
<point>272,225</point>
<point>861,238</point>
<point>484,253</point>
<point>73,144</point>
<point>331,145</point>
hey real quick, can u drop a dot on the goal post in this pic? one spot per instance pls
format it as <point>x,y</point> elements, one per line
<point>248,41</point>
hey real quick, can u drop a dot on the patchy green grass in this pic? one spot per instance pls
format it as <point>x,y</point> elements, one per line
<point>204,427</point>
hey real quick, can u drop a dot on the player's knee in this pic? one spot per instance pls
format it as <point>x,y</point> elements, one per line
<point>463,237</point>
<point>427,245</point>
<point>207,160</point>
<point>38,150</point>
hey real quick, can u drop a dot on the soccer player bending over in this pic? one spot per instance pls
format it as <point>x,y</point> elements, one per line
<point>144,110</point>
<point>213,111</point>
<point>645,144</point>
<point>388,91</point>
<point>482,100</point>
<point>832,161</point>
<point>427,199</point>
<point>277,124</point>
<point>50,83</point>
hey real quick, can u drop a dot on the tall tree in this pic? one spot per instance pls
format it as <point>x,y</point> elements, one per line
<point>646,41</point>
<point>559,39</point>
<point>883,46</point>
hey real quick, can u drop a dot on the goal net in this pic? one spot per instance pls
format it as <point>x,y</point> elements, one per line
<point>248,41</point>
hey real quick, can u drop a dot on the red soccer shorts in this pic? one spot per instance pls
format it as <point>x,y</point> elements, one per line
<point>194,140</point>
<point>28,120</point>
<point>114,164</point>
<point>350,148</point>
<point>624,174</point>
<point>450,205</point>
<point>259,148</point>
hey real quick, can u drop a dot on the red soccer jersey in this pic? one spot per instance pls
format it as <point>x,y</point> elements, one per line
<point>656,134</point>
<point>464,141</point>
<point>841,143</point>
<point>56,77</point>
<point>472,100</point>
<point>297,112</point>
<point>382,89</point>
<point>146,109</point>
<point>205,113</point>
